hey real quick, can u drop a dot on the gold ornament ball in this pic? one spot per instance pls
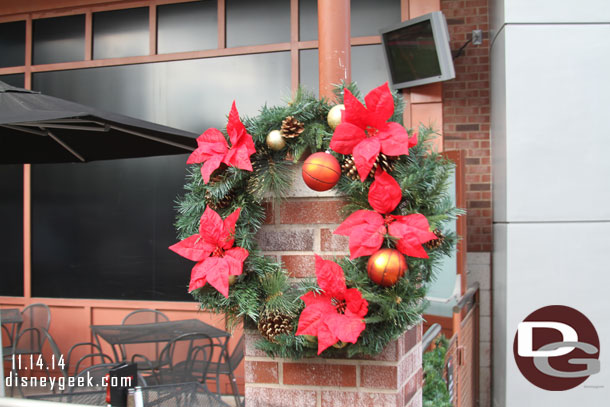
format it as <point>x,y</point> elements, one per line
<point>334,116</point>
<point>232,280</point>
<point>275,140</point>
<point>386,266</point>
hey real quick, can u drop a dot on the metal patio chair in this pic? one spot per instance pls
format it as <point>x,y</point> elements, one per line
<point>95,374</point>
<point>30,337</point>
<point>70,365</point>
<point>171,395</point>
<point>145,355</point>
<point>224,366</point>
<point>186,358</point>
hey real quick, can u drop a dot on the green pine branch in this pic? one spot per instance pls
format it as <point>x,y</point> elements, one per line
<point>264,286</point>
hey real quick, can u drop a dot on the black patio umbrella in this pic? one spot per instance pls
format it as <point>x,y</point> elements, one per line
<point>36,128</point>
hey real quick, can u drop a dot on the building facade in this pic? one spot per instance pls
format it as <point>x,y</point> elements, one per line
<point>182,63</point>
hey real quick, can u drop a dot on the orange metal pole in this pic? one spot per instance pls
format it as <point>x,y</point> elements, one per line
<point>333,44</point>
<point>27,232</point>
<point>27,192</point>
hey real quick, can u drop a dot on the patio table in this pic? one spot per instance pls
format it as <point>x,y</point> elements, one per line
<point>11,316</point>
<point>117,335</point>
<point>169,395</point>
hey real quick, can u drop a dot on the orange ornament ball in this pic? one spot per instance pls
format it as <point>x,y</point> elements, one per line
<point>386,266</point>
<point>321,171</point>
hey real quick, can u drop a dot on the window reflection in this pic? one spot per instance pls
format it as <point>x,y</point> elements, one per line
<point>368,67</point>
<point>12,44</point>
<point>120,33</point>
<point>115,231</point>
<point>256,22</point>
<point>11,232</point>
<point>187,27</point>
<point>368,17</point>
<point>308,70</point>
<point>308,20</point>
<point>16,79</point>
<point>60,39</point>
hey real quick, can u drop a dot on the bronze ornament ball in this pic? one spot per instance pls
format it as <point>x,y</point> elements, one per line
<point>334,116</point>
<point>321,171</point>
<point>275,140</point>
<point>386,266</point>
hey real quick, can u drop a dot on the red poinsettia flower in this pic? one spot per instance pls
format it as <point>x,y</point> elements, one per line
<point>212,249</point>
<point>365,131</point>
<point>213,148</point>
<point>367,229</point>
<point>337,313</point>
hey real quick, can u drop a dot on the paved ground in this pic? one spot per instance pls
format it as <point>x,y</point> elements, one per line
<point>32,390</point>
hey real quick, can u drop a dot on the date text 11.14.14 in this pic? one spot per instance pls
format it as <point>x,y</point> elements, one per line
<point>20,362</point>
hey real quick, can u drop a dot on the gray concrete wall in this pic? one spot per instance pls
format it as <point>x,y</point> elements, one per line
<point>550,61</point>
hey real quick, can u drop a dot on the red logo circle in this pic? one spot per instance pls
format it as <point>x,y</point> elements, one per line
<point>556,348</point>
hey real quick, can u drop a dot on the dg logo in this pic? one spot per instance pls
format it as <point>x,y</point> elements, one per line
<point>556,348</point>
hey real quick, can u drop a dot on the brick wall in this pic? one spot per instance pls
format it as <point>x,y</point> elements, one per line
<point>479,265</point>
<point>466,114</point>
<point>393,378</point>
<point>466,374</point>
<point>298,228</point>
<point>294,230</point>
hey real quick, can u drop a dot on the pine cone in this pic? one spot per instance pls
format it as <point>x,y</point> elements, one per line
<point>349,168</point>
<point>291,127</point>
<point>218,174</point>
<point>272,324</point>
<point>433,244</point>
<point>221,203</point>
<point>383,161</point>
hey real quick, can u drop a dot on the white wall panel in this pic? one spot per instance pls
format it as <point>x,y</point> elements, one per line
<point>498,127</point>
<point>557,119</point>
<point>550,128</point>
<point>546,264</point>
<point>552,11</point>
<point>499,308</point>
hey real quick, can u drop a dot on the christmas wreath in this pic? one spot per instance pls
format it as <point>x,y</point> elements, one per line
<point>398,203</point>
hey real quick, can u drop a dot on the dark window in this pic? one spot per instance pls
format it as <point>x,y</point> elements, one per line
<point>368,17</point>
<point>125,89</point>
<point>102,229</point>
<point>12,44</point>
<point>120,33</point>
<point>60,39</point>
<point>11,232</point>
<point>257,22</point>
<point>199,93</point>
<point>15,79</point>
<point>308,20</point>
<point>187,27</point>
<point>368,67</point>
<point>308,70</point>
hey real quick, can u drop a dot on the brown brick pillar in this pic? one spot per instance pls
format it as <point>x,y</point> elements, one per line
<point>333,44</point>
<point>295,230</point>
<point>393,378</point>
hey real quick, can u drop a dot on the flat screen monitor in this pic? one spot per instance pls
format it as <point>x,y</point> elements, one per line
<point>417,51</point>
